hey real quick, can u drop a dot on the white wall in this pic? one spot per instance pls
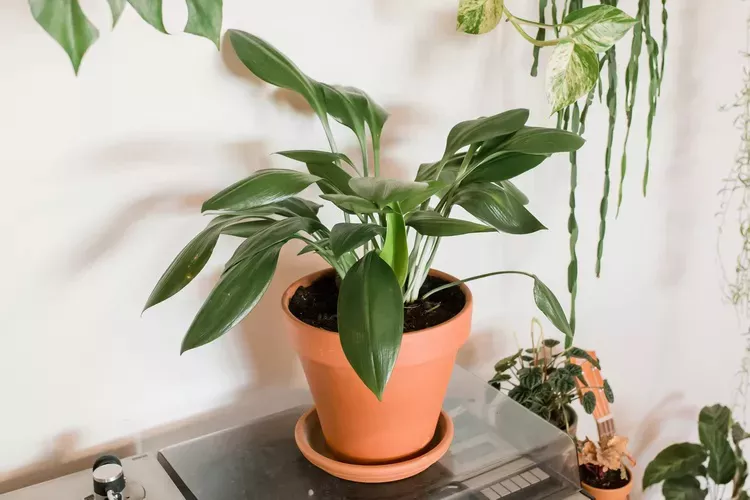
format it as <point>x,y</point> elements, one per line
<point>103,175</point>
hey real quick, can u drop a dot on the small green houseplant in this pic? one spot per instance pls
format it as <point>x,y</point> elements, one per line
<point>545,383</point>
<point>602,469</point>
<point>684,469</point>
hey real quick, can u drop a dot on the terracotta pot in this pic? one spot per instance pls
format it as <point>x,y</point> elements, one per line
<point>616,494</point>
<point>357,427</point>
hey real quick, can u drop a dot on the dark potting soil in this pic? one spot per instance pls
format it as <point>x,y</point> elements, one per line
<point>610,480</point>
<point>316,304</point>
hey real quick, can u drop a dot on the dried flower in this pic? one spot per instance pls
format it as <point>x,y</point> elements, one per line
<point>607,456</point>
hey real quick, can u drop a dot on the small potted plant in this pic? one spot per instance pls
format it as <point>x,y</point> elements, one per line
<point>378,331</point>
<point>683,469</point>
<point>602,471</point>
<point>544,381</point>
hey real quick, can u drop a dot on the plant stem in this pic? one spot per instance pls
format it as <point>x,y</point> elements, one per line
<point>376,156</point>
<point>539,43</point>
<point>487,275</point>
<point>528,22</point>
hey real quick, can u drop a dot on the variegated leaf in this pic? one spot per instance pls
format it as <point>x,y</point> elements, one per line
<point>598,26</point>
<point>572,72</point>
<point>478,16</point>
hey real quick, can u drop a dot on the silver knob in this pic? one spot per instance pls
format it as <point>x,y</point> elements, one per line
<point>109,479</point>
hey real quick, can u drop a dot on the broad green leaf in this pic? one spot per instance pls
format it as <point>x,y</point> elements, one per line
<point>512,190</point>
<point>261,188</point>
<point>67,24</point>
<point>572,72</point>
<point>395,250</point>
<point>431,223</point>
<point>543,141</point>
<point>683,488</point>
<point>312,156</point>
<point>334,180</point>
<point>505,363</point>
<point>412,202</point>
<point>371,320</point>
<point>496,207</point>
<point>346,237</point>
<point>353,204</point>
<point>188,263</point>
<point>234,296</point>
<point>429,171</point>
<point>677,460</point>
<point>482,129</point>
<point>607,389</point>
<point>722,463</point>
<point>271,66</point>
<point>549,305</point>
<point>278,232</point>
<point>478,16</point>
<point>575,352</point>
<point>374,114</point>
<point>589,402</point>
<point>383,192</point>
<point>502,167</point>
<point>116,6</point>
<point>150,11</point>
<point>341,105</point>
<point>204,19</point>
<point>310,248</point>
<point>293,206</point>
<point>247,229</point>
<point>598,26</point>
<point>738,433</point>
<point>713,425</point>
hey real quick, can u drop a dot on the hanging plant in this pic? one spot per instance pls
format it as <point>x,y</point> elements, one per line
<point>584,43</point>
<point>66,22</point>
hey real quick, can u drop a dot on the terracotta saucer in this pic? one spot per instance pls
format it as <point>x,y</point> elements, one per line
<point>310,441</point>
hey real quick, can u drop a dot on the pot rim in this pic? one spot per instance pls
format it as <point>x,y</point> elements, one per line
<point>628,485</point>
<point>292,288</point>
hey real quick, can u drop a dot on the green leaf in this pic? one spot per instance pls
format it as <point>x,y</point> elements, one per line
<point>346,237</point>
<point>575,352</point>
<point>512,190</point>
<point>247,229</point>
<point>550,343</point>
<point>722,463</point>
<point>334,179</point>
<point>188,263</point>
<point>589,402</point>
<point>273,67</point>
<point>414,201</point>
<point>353,204</point>
<point>116,6</point>
<point>312,156</point>
<point>294,206</point>
<point>505,363</point>
<point>608,392</point>
<point>396,247</point>
<point>374,114</point>
<point>67,24</point>
<point>598,27</point>
<point>683,488</point>
<point>340,104</point>
<point>311,248</point>
<point>234,296</point>
<point>383,192</point>
<point>150,11</point>
<point>278,232</point>
<point>549,305</point>
<point>431,223</point>
<point>482,129</point>
<point>572,72</point>
<point>502,167</point>
<point>677,460</point>
<point>261,188</point>
<point>738,433</point>
<point>543,141</point>
<point>478,16</point>
<point>204,19</point>
<point>371,320</point>
<point>713,425</point>
<point>496,207</point>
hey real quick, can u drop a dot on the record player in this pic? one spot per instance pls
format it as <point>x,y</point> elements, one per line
<point>500,450</point>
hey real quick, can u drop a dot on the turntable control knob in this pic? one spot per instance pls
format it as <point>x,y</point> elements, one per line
<point>109,480</point>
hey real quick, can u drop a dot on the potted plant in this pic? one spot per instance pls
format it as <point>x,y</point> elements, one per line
<point>544,381</point>
<point>378,332</point>
<point>602,471</point>
<point>684,469</point>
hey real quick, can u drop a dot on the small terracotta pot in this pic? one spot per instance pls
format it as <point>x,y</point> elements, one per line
<point>357,427</point>
<point>616,494</point>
